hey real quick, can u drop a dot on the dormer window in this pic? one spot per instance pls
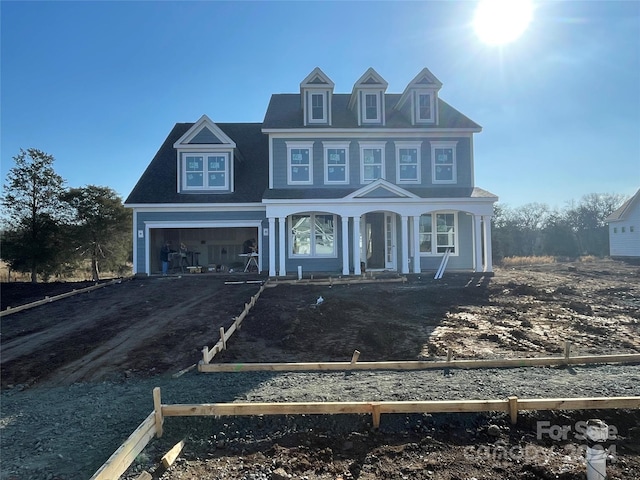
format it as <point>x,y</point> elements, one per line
<point>367,98</point>
<point>205,157</point>
<point>201,171</point>
<point>424,109</point>
<point>420,99</point>
<point>318,108</point>
<point>371,110</point>
<point>315,93</point>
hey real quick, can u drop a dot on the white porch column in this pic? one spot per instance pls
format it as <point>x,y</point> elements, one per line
<point>416,244</point>
<point>272,246</point>
<point>404,234</point>
<point>282,240</point>
<point>356,246</point>
<point>488,262</point>
<point>478,235</point>
<point>345,245</point>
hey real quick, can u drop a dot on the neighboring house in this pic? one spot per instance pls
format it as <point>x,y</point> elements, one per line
<point>329,182</point>
<point>624,229</point>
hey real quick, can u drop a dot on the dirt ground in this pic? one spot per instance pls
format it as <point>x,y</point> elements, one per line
<point>142,329</point>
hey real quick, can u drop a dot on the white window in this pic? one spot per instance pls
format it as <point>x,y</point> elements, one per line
<point>300,163</point>
<point>443,162</point>
<point>205,171</point>
<point>312,235</point>
<point>424,107</point>
<point>443,237</point>
<point>371,161</point>
<point>370,108</point>
<point>336,162</point>
<point>317,107</point>
<point>408,162</point>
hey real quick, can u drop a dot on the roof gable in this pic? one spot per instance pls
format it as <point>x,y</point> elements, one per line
<point>317,79</point>
<point>626,208</point>
<point>369,80</point>
<point>204,132</point>
<point>381,189</point>
<point>425,80</point>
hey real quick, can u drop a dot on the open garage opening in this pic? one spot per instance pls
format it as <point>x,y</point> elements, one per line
<point>214,249</point>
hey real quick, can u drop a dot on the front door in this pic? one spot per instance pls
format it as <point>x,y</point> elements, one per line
<point>379,245</point>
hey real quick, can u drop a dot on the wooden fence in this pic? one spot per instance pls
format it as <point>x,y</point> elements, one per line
<point>118,463</point>
<point>46,300</point>
<point>208,354</point>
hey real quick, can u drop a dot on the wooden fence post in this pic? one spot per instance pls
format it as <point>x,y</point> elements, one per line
<point>157,408</point>
<point>513,409</point>
<point>567,350</point>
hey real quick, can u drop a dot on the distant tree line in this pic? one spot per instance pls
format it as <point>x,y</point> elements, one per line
<point>49,230</point>
<point>535,229</point>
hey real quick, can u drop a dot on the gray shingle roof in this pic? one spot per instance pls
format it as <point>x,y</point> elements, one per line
<point>157,185</point>
<point>624,209</point>
<point>285,111</point>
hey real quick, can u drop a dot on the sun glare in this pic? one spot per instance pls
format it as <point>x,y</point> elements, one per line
<point>498,22</point>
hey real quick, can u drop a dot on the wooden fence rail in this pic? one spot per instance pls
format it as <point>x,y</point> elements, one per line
<point>122,458</point>
<point>207,353</point>
<point>46,300</point>
<point>420,365</point>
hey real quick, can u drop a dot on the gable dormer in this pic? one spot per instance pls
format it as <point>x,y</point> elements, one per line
<point>422,96</point>
<point>205,159</point>
<point>315,93</point>
<point>367,98</point>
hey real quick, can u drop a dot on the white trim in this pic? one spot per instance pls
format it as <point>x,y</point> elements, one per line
<point>381,183</point>
<point>204,121</point>
<point>135,241</point>
<point>196,207</point>
<point>454,174</point>
<point>270,162</point>
<point>299,146</point>
<point>372,131</point>
<point>326,146</point>
<point>409,145</point>
<point>371,146</point>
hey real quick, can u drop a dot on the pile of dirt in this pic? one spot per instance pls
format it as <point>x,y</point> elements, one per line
<point>77,374</point>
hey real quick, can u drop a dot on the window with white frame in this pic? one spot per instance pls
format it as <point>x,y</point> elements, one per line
<point>312,235</point>
<point>424,107</point>
<point>438,233</point>
<point>300,163</point>
<point>370,107</point>
<point>336,162</point>
<point>317,107</point>
<point>371,161</point>
<point>408,162</point>
<point>443,162</point>
<point>205,171</point>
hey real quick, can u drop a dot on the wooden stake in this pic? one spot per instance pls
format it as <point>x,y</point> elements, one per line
<point>567,350</point>
<point>449,355</point>
<point>513,409</point>
<point>354,358</point>
<point>224,342</point>
<point>157,410</point>
<point>205,354</point>
<point>375,413</point>
<point>171,455</point>
<point>144,476</point>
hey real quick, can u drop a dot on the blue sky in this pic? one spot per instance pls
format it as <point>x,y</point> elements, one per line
<point>99,85</point>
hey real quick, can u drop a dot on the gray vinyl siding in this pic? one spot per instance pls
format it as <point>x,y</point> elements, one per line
<point>463,162</point>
